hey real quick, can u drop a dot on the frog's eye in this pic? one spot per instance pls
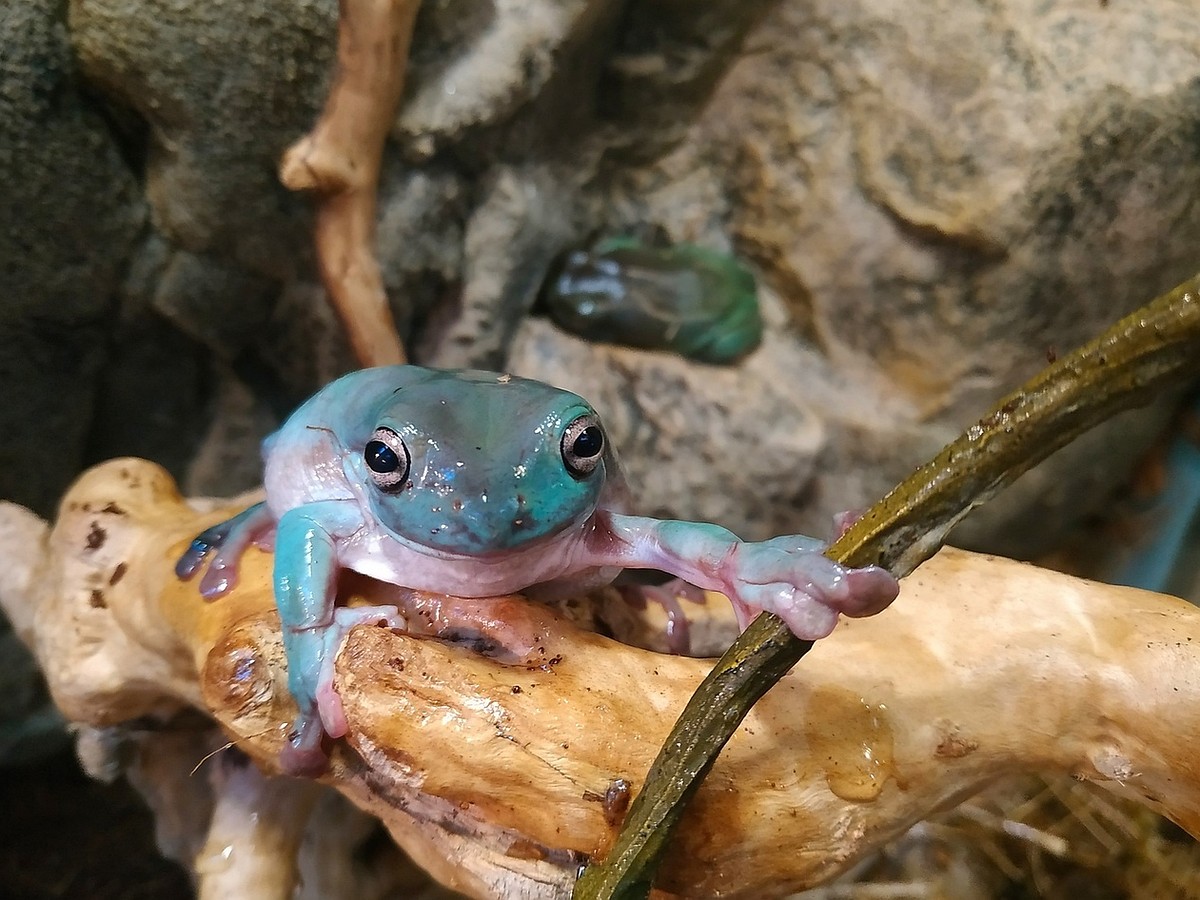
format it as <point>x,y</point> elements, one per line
<point>387,459</point>
<point>583,445</point>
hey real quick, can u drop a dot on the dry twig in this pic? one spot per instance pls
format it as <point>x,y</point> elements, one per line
<point>340,160</point>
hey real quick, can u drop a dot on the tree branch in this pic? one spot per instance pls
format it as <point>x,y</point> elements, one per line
<point>499,743</point>
<point>1127,365</point>
<point>340,160</point>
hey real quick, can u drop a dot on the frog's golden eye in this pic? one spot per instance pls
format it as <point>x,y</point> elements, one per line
<point>583,445</point>
<point>387,460</point>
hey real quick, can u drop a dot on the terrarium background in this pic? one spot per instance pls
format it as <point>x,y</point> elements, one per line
<point>934,196</point>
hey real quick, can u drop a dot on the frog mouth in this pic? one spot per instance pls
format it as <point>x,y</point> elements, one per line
<point>463,538</point>
<point>463,533</point>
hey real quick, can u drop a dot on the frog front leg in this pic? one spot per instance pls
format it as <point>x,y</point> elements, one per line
<point>229,539</point>
<point>788,576</point>
<point>306,570</point>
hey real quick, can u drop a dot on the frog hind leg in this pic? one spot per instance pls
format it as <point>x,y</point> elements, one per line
<point>668,596</point>
<point>229,539</point>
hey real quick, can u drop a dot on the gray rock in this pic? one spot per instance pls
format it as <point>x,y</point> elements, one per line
<point>71,212</point>
<point>933,196</point>
<point>419,239</point>
<point>218,304</point>
<point>224,89</point>
<point>228,459</point>
<point>942,196</point>
<point>480,65</point>
<point>510,241</point>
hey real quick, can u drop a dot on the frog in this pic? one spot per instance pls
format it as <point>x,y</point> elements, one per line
<point>476,484</point>
<point>685,298</point>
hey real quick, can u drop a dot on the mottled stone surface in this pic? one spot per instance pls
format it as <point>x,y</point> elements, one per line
<point>508,246</point>
<point>943,196</point>
<point>222,88</point>
<point>933,196</point>
<point>68,221</point>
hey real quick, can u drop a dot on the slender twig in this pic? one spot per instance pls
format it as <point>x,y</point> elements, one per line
<point>340,159</point>
<point>1126,366</point>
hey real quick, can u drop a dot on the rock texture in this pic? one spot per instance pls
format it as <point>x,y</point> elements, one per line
<point>941,197</point>
<point>934,199</point>
<point>70,217</point>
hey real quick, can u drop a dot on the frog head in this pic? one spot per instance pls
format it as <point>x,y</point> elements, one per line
<point>478,463</point>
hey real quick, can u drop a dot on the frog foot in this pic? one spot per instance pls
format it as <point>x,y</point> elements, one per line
<point>303,755</point>
<point>315,650</point>
<point>804,588</point>
<point>843,520</point>
<point>229,539</point>
<point>667,595</point>
<point>329,704</point>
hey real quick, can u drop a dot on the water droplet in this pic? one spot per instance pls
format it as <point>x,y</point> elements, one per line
<point>853,740</point>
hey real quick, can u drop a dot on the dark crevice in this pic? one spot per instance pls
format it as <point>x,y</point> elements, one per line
<point>129,129</point>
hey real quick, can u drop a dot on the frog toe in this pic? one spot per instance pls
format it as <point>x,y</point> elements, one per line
<point>193,557</point>
<point>806,617</point>
<point>868,590</point>
<point>221,575</point>
<point>668,595</point>
<point>230,539</point>
<point>303,755</point>
<point>328,703</point>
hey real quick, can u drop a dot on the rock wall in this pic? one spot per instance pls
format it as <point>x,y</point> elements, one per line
<point>934,196</point>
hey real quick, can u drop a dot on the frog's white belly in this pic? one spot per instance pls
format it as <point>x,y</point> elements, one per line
<point>380,556</point>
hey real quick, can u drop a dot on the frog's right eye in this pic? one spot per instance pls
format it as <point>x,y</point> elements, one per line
<point>387,460</point>
<point>583,446</point>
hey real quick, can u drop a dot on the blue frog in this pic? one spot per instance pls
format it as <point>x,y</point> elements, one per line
<point>477,484</point>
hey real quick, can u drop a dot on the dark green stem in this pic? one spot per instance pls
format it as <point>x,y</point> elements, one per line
<point>1126,366</point>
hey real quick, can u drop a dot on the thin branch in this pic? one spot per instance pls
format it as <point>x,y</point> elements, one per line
<point>1126,366</point>
<point>340,160</point>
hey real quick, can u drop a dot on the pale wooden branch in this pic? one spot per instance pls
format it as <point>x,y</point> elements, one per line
<point>497,754</point>
<point>340,159</point>
<point>253,810</point>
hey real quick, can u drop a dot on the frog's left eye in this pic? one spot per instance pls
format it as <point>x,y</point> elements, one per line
<point>583,445</point>
<point>387,459</point>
